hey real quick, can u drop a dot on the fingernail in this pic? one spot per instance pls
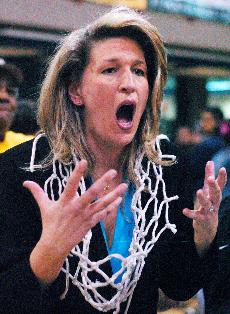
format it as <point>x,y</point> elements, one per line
<point>112,173</point>
<point>118,200</point>
<point>124,187</point>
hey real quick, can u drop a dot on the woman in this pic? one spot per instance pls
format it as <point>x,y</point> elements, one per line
<point>99,112</point>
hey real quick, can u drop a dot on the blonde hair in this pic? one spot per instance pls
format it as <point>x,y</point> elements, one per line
<point>62,122</point>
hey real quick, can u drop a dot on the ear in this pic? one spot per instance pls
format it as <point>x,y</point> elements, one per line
<point>74,94</point>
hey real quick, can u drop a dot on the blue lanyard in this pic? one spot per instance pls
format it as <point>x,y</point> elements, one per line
<point>123,232</point>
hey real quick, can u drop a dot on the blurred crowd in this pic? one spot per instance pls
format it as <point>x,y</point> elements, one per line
<point>208,139</point>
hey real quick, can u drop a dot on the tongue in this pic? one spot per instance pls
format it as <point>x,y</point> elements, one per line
<point>124,123</point>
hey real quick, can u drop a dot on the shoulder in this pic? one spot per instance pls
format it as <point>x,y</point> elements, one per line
<point>15,162</point>
<point>170,148</point>
<point>22,152</point>
<point>177,178</point>
<point>179,169</point>
<point>19,156</point>
<point>13,138</point>
<point>18,136</point>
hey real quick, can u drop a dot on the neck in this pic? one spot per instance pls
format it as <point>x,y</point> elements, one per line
<point>105,161</point>
<point>107,157</point>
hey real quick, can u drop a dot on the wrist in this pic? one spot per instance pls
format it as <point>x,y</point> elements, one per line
<point>202,244</point>
<point>45,263</point>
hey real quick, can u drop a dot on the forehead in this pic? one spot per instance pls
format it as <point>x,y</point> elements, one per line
<point>112,48</point>
<point>207,115</point>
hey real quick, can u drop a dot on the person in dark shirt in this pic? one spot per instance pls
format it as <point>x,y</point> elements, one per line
<point>210,142</point>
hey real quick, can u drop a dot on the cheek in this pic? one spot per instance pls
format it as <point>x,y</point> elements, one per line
<point>106,89</point>
<point>97,94</point>
<point>13,104</point>
<point>145,94</point>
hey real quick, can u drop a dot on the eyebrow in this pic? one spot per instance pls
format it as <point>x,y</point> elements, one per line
<point>136,62</point>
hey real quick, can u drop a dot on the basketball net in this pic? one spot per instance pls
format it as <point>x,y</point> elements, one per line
<point>131,266</point>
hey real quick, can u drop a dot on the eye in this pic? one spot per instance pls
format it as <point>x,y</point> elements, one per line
<point>139,72</point>
<point>109,70</point>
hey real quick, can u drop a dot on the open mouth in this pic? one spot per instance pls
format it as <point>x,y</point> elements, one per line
<point>125,115</point>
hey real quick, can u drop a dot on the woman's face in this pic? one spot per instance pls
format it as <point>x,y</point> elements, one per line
<point>114,91</point>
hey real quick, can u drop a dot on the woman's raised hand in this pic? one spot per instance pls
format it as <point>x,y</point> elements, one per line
<point>205,213</point>
<point>66,221</point>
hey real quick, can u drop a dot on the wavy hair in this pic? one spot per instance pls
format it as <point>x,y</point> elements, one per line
<point>62,121</point>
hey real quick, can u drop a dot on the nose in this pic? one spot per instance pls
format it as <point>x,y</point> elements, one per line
<point>127,82</point>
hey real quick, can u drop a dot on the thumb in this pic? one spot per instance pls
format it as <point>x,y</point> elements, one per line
<point>38,193</point>
<point>189,213</point>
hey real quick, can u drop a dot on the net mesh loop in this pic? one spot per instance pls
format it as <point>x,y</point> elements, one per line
<point>131,266</point>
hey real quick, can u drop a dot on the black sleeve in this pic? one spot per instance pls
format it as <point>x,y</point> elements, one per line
<point>217,289</point>
<point>181,271</point>
<point>20,229</point>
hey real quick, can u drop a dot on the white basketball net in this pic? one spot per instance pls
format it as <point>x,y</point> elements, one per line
<point>131,266</point>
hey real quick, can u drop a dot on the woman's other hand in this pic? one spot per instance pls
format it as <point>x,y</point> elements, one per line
<point>66,221</point>
<point>205,213</point>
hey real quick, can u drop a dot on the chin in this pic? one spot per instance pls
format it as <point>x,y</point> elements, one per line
<point>125,140</point>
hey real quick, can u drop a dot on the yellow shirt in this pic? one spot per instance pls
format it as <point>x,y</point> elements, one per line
<point>12,139</point>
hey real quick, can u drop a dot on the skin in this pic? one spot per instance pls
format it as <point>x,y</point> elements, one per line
<point>66,221</point>
<point>116,72</point>
<point>8,105</point>
<point>208,122</point>
<point>205,223</point>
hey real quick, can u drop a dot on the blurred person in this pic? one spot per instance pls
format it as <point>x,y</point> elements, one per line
<point>210,120</point>
<point>209,142</point>
<point>10,80</point>
<point>88,208</point>
<point>25,120</point>
<point>222,157</point>
<point>184,135</point>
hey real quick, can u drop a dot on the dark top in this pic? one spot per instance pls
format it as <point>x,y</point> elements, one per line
<point>217,288</point>
<point>173,264</point>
